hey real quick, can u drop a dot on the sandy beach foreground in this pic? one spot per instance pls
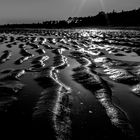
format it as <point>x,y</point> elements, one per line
<point>70,84</point>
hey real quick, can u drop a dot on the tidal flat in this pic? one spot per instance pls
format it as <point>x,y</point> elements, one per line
<point>70,84</point>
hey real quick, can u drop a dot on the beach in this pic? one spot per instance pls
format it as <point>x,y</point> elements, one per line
<point>70,83</point>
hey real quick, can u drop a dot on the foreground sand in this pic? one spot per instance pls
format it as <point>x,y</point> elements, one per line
<point>70,84</point>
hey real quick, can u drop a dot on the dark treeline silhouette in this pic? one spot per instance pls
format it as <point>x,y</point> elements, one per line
<point>112,19</point>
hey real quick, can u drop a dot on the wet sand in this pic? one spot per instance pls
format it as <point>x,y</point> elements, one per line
<point>70,84</point>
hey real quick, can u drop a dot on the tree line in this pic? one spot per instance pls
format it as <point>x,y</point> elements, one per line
<point>112,19</point>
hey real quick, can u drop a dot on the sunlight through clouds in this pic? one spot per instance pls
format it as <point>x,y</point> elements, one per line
<point>59,9</point>
<point>80,7</point>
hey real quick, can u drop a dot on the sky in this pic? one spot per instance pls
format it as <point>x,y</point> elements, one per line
<point>27,11</point>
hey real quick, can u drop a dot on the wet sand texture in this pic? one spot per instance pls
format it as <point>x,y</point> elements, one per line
<point>70,84</point>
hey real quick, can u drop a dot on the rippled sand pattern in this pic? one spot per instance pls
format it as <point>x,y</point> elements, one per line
<point>70,84</point>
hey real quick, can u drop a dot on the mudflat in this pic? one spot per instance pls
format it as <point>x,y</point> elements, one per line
<point>70,84</point>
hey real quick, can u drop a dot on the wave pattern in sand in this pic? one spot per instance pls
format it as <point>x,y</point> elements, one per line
<point>53,82</point>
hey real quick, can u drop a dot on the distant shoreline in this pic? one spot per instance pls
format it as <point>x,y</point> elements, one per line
<point>94,27</point>
<point>124,20</point>
<point>110,27</point>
